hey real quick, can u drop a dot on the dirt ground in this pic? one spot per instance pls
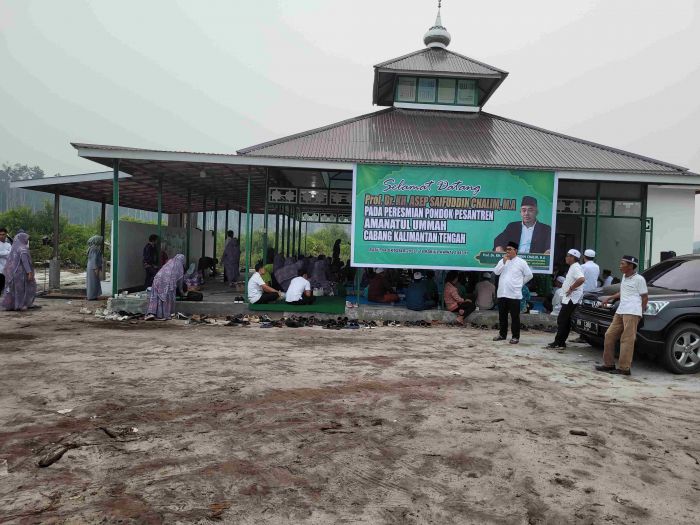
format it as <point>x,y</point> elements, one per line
<point>171,423</point>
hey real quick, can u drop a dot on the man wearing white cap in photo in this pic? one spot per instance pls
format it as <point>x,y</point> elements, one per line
<point>633,296</point>
<point>417,295</point>
<point>573,294</point>
<point>591,271</point>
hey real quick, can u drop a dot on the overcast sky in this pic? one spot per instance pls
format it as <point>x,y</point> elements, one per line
<point>218,75</point>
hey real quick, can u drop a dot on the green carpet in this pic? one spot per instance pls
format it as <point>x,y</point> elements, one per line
<point>323,305</point>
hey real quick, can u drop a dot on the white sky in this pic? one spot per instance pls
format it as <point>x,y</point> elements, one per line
<point>218,75</point>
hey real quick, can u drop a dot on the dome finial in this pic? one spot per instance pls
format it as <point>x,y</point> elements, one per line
<point>437,36</point>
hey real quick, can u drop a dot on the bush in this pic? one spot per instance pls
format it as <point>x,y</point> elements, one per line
<point>38,224</point>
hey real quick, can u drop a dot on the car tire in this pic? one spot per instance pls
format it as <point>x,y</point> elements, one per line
<point>682,349</point>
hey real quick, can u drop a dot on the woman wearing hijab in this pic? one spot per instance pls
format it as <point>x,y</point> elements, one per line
<point>193,278</point>
<point>166,283</point>
<point>94,267</point>
<point>284,275</point>
<point>231,259</point>
<point>20,286</point>
<point>278,261</point>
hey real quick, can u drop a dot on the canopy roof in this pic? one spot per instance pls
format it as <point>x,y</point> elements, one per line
<point>220,179</point>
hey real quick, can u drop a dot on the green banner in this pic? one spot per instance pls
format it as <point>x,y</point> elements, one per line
<point>451,218</point>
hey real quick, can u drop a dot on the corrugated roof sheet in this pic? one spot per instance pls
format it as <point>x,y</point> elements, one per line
<point>437,60</point>
<point>401,136</point>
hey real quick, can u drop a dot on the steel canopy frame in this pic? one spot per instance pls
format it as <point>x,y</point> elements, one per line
<point>174,183</point>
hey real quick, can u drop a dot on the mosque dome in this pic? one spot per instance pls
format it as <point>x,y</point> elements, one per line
<point>437,36</point>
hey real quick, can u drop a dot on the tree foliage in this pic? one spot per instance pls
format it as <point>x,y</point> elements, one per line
<point>39,225</point>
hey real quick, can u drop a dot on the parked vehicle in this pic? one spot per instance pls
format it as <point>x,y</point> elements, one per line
<point>670,328</point>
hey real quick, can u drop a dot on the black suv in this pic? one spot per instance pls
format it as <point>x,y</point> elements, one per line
<point>671,324</point>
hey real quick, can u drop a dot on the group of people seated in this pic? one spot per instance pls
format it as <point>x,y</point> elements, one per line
<point>295,278</point>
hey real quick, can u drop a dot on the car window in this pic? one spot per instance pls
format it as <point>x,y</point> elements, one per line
<point>675,275</point>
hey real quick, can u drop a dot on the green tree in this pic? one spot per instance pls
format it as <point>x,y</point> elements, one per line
<point>39,225</point>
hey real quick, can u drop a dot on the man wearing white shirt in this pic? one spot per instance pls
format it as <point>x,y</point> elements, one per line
<point>633,296</point>
<point>299,290</point>
<point>258,291</point>
<point>513,274</point>
<point>573,294</point>
<point>591,271</point>
<point>5,249</point>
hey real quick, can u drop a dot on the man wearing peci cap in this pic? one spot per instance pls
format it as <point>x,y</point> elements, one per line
<point>417,295</point>
<point>633,296</point>
<point>590,270</point>
<point>530,235</point>
<point>514,273</point>
<point>573,294</point>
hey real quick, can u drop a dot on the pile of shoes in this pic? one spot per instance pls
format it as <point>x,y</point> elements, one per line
<point>197,319</point>
<point>341,322</point>
<point>238,299</point>
<point>239,319</point>
<point>421,324</point>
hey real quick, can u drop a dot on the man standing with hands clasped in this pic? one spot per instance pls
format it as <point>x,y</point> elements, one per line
<point>514,273</point>
<point>573,294</point>
<point>633,296</point>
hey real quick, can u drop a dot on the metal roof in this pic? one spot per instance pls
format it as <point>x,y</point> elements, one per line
<point>224,185</point>
<point>402,136</point>
<point>438,60</point>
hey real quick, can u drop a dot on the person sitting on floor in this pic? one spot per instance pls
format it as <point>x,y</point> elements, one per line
<point>320,274</point>
<point>299,290</point>
<point>379,289</point>
<point>258,291</point>
<point>431,286</point>
<point>417,296</point>
<point>485,293</point>
<point>286,274</point>
<point>453,301</point>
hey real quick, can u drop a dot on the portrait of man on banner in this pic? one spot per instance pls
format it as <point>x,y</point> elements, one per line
<point>532,235</point>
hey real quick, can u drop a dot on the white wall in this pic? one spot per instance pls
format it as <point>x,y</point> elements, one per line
<point>673,211</point>
<point>133,237</point>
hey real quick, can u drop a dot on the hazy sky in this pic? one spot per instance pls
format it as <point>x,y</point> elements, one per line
<point>218,75</point>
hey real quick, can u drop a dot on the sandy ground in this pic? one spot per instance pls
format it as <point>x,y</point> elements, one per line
<point>390,425</point>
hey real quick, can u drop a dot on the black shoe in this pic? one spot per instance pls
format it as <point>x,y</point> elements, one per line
<point>514,341</point>
<point>499,338</point>
<point>621,372</point>
<point>605,368</point>
<point>555,346</point>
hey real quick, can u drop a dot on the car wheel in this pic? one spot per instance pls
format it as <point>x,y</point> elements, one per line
<point>682,353</point>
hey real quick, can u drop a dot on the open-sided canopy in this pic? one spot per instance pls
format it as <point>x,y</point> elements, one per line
<point>192,182</point>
